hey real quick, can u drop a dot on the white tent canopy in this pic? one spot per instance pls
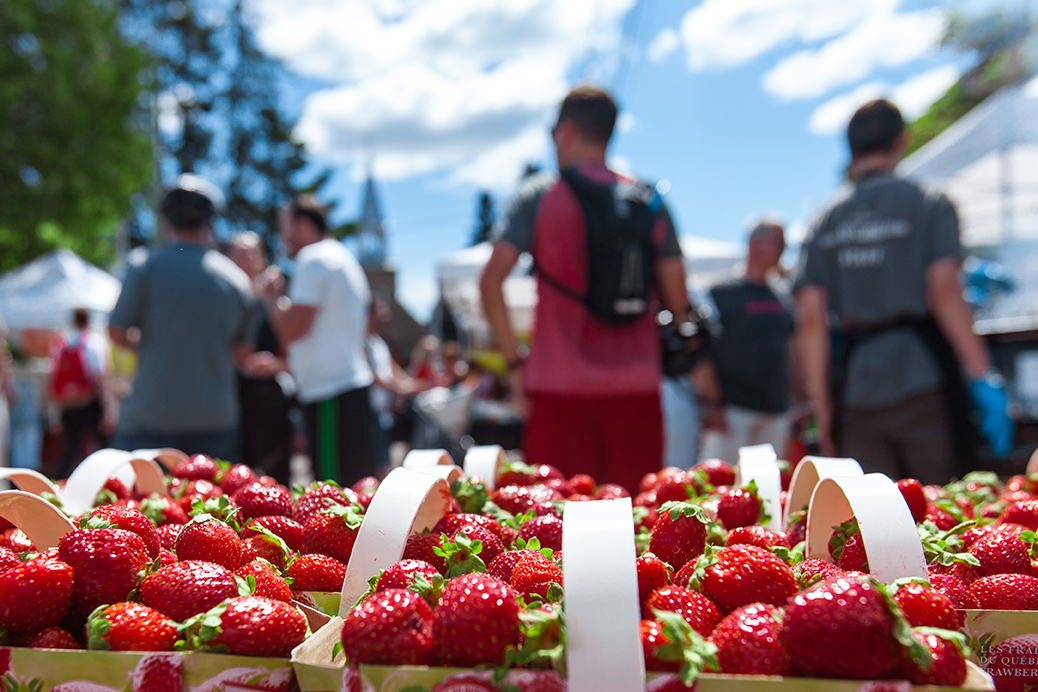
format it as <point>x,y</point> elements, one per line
<point>44,292</point>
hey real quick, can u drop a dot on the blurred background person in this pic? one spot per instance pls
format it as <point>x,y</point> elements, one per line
<point>425,362</point>
<point>266,430</point>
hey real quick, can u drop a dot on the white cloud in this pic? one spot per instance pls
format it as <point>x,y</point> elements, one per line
<point>884,39</point>
<point>466,87</point>
<point>665,43</point>
<point>625,122</point>
<point>913,97</point>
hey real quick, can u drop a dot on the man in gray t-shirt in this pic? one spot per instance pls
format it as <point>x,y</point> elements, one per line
<point>190,314</point>
<point>882,264</point>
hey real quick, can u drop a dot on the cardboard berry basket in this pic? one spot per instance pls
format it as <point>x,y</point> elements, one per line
<point>604,649</point>
<point>806,476</point>
<point>759,464</point>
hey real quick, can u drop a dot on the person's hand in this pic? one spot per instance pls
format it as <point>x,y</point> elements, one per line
<point>824,420</point>
<point>261,365</point>
<point>992,402</point>
<point>714,418</point>
<point>270,283</point>
<point>518,395</point>
<point>109,421</point>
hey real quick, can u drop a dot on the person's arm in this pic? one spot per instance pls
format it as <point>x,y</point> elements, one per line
<point>812,339</point>
<point>290,321</point>
<point>126,338</point>
<point>670,280</point>
<point>953,316</point>
<point>707,386</point>
<point>491,288</point>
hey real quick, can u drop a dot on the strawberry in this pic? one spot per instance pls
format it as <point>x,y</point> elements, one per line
<point>810,572</point>
<point>964,572</point>
<point>956,591</point>
<point>450,523</point>
<point>1024,513</point>
<point>503,565</point>
<point>249,626</point>
<point>54,637</point>
<point>947,664</point>
<point>258,500</point>
<point>187,588</point>
<point>1000,552</point>
<point>401,575</point>
<point>924,606</point>
<point>842,628</point>
<point>653,639</point>
<point>130,520</point>
<point>516,473</point>
<point>285,528</point>
<point>490,545</point>
<point>316,572</point>
<point>236,477</point>
<point>652,574</point>
<point>851,557</point>
<point>158,673</point>
<point>717,472</point>
<point>521,499</point>
<point>210,540</point>
<point>475,621</point>
<point>105,564</point>
<point>166,557</point>
<point>739,507</point>
<point>35,595</point>
<point>332,532</point>
<point>748,642</point>
<point>367,484</point>
<point>269,583</point>
<point>197,468</point>
<point>422,546</point>
<point>162,510</point>
<point>582,484</point>
<point>269,547</point>
<point>17,541</point>
<point>393,627</point>
<point>744,574</point>
<point>672,488</point>
<point>547,530</point>
<point>1005,592</point>
<point>533,574</point>
<point>698,611</point>
<point>196,490</point>
<point>117,488</point>
<point>318,497</point>
<point>915,498</point>
<point>8,559</point>
<point>168,535</point>
<point>758,536</point>
<point>679,535</point>
<point>610,491</point>
<point>942,518</point>
<point>130,627</point>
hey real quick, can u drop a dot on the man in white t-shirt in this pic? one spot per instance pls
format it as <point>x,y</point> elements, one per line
<point>322,320</point>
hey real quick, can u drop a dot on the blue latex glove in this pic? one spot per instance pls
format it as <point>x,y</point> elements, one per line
<point>992,402</point>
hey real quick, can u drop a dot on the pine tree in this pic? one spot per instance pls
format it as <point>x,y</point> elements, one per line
<point>485,218</point>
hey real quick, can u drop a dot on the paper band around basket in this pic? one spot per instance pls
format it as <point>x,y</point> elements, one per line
<point>888,530</point>
<point>42,522</point>
<point>89,477</point>
<point>1032,463</point>
<point>603,650</point>
<point>808,472</point>
<point>30,481</point>
<point>485,462</point>
<point>759,463</point>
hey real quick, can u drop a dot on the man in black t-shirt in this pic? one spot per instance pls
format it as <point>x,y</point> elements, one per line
<point>752,350</point>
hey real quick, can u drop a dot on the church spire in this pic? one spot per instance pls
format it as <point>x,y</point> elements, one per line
<point>371,235</point>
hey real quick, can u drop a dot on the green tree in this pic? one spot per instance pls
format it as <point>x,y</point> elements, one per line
<point>73,149</point>
<point>485,217</point>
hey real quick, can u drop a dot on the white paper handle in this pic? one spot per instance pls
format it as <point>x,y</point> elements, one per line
<point>30,481</point>
<point>759,463</point>
<point>405,501</point>
<point>90,476</point>
<point>888,531</point>
<point>1032,463</point>
<point>808,472</point>
<point>485,461</point>
<point>603,650</point>
<point>424,458</point>
<point>41,521</point>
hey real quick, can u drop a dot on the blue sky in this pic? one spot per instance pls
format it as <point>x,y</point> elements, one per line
<point>737,103</point>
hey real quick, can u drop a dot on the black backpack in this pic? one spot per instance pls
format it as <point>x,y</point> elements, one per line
<point>621,255</point>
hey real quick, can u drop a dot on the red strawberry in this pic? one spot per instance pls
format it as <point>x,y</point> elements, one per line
<point>503,565</point>
<point>8,559</point>
<point>652,574</point>
<point>368,484</point>
<point>187,588</point>
<point>35,595</point>
<point>582,484</point>
<point>197,468</point>
<point>166,557</point>
<point>679,535</point>
<point>401,575</point>
<point>924,606</point>
<point>942,518</point>
<point>105,564</point>
<point>168,535</point>
<point>54,638</point>
<point>475,621</point>
<point>491,545</point>
<point>699,611</point>
<point>739,507</point>
<point>522,499</point>
<point>1000,552</point>
<point>653,639</point>
<point>852,557</point>
<point>260,501</point>
<point>316,572</point>
<point>672,488</point>
<point>915,498</point>
<point>758,536</point>
<point>252,626</point>
<point>717,472</point>
<point>957,592</point>
<point>393,627</point>
<point>610,491</point>
<point>947,664</point>
<point>450,523</point>
<point>846,615</point>
<point>318,497</point>
<point>1024,513</point>
<point>332,532</point>
<point>236,477</point>
<point>117,488</point>
<point>162,510</point>
<point>158,673</point>
<point>270,548</point>
<point>17,541</point>
<point>745,574</point>
<point>130,627</point>
<point>210,540</point>
<point>420,546</point>
<point>269,583</point>
<point>962,571</point>
<point>130,520</point>
<point>196,490</point>
<point>285,528</point>
<point>533,574</point>
<point>1005,592</point>
<point>748,642</point>
<point>547,530</point>
<point>810,572</point>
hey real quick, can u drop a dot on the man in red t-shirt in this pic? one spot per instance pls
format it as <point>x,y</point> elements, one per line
<point>592,388</point>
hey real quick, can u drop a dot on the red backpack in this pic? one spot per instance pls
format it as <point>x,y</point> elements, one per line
<point>70,380</point>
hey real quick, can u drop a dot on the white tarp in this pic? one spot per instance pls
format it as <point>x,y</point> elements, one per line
<point>44,292</point>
